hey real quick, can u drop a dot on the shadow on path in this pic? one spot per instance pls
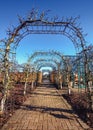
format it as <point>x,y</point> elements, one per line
<point>56,112</point>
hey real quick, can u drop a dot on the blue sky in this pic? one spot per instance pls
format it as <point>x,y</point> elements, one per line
<point>9,9</point>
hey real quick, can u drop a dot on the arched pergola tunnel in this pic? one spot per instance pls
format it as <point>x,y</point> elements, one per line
<point>62,66</point>
<point>36,23</point>
<point>52,59</point>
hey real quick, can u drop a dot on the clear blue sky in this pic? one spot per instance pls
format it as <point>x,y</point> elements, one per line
<point>9,9</point>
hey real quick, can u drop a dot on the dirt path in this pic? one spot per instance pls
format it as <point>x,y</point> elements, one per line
<point>45,109</point>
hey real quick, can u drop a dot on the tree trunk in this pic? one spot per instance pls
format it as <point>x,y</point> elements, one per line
<point>6,77</point>
<point>25,86</point>
<point>32,85</point>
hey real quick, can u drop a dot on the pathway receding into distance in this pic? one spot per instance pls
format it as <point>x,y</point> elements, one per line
<point>45,109</point>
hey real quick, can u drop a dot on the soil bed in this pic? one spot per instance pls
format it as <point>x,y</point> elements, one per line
<point>79,103</point>
<point>14,101</point>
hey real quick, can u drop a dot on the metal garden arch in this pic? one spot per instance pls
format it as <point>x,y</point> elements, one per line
<point>39,23</point>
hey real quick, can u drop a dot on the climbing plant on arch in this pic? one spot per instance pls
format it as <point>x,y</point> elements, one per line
<point>39,23</point>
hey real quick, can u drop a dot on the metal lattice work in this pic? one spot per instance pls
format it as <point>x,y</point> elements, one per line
<point>40,25</point>
<point>44,61</point>
<point>58,56</point>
